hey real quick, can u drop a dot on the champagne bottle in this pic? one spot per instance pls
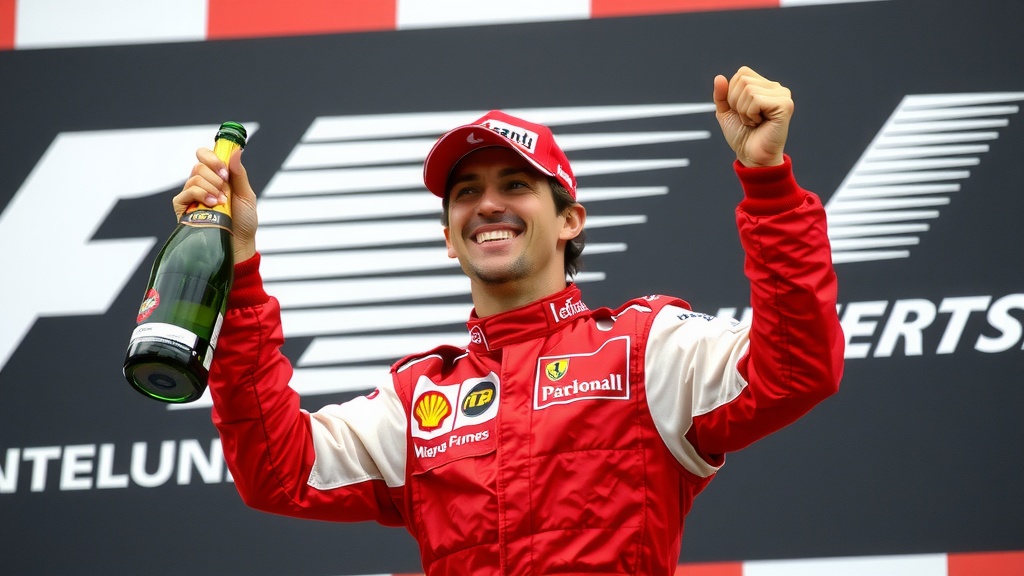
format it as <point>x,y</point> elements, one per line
<point>171,348</point>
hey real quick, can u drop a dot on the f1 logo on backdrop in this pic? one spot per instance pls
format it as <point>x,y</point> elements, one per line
<point>74,177</point>
<point>347,211</point>
<point>910,169</point>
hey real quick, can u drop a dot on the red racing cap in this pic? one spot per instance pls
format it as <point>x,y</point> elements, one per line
<point>534,142</point>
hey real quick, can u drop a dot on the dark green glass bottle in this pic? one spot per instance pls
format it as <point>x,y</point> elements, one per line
<point>172,346</point>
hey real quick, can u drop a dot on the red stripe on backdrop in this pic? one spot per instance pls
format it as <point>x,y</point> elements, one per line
<point>7,14</point>
<point>711,569</point>
<point>247,19</point>
<point>606,8</point>
<point>985,564</point>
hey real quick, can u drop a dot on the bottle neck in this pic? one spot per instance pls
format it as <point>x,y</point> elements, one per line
<point>223,148</point>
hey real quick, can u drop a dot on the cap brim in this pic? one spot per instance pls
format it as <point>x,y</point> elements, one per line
<point>455,145</point>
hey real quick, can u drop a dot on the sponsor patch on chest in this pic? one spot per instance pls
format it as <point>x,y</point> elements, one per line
<point>599,375</point>
<point>455,420</point>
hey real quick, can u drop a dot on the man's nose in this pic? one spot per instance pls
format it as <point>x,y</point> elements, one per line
<point>491,201</point>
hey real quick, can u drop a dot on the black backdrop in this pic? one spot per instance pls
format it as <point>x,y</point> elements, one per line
<point>919,452</point>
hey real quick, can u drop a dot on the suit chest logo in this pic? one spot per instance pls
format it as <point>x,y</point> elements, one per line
<point>431,411</point>
<point>556,369</point>
<point>480,398</point>
<point>599,375</point>
<point>452,420</point>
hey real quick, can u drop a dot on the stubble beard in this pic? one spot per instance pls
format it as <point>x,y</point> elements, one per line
<point>517,270</point>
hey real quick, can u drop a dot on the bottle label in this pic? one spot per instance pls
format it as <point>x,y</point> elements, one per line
<point>206,217</point>
<point>164,332</point>
<point>149,305</point>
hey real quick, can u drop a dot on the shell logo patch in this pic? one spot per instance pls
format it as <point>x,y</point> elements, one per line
<point>431,410</point>
<point>453,419</point>
<point>555,370</point>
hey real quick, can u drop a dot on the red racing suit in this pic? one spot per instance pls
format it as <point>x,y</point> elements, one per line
<point>561,440</point>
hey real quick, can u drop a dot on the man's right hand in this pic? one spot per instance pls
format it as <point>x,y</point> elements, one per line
<point>210,184</point>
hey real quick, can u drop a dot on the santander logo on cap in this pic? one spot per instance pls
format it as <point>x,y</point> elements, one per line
<point>521,136</point>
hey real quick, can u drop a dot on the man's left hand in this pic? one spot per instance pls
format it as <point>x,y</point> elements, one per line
<point>754,114</point>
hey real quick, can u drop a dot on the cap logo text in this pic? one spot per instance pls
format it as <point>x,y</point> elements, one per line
<point>561,173</point>
<point>520,136</point>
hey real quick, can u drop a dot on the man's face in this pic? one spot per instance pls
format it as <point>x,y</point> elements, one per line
<point>502,224</point>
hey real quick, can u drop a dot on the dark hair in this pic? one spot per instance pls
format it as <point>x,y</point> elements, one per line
<point>563,200</point>
<point>574,247</point>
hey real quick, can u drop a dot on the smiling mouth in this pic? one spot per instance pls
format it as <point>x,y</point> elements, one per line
<point>494,235</point>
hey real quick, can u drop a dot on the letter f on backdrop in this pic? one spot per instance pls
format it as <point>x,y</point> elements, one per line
<point>51,265</point>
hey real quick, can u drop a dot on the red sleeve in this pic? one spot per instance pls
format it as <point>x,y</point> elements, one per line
<point>795,354</point>
<point>267,439</point>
